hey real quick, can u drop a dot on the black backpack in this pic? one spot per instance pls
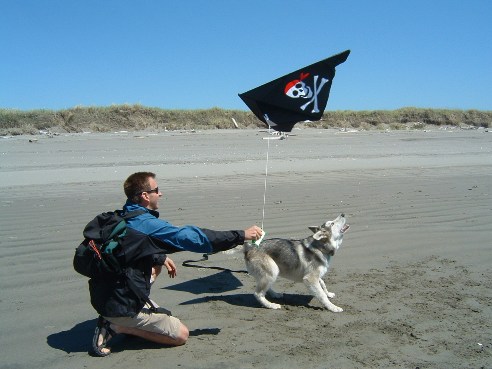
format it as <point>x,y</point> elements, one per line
<point>96,257</point>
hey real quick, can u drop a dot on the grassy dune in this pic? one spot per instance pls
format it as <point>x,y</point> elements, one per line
<point>140,118</point>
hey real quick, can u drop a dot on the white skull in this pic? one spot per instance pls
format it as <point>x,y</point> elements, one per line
<point>300,90</point>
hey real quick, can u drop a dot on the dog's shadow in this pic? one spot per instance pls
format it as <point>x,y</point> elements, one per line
<point>248,300</point>
<point>295,300</point>
<point>213,287</point>
<point>79,339</point>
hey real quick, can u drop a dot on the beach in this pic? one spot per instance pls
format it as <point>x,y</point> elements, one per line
<point>413,274</point>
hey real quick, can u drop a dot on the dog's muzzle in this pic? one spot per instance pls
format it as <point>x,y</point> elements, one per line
<point>345,226</point>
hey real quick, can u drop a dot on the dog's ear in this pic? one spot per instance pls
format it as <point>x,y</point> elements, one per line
<point>314,229</point>
<point>321,235</point>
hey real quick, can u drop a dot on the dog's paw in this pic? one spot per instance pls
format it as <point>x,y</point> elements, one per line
<point>331,295</point>
<point>263,301</point>
<point>335,309</point>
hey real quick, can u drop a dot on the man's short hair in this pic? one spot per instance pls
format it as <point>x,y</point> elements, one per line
<point>136,184</point>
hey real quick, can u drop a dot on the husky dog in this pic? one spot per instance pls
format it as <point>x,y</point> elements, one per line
<point>304,260</point>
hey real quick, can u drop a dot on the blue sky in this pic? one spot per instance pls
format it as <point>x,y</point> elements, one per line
<point>192,54</point>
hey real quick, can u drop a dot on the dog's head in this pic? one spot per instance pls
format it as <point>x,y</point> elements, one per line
<point>331,233</point>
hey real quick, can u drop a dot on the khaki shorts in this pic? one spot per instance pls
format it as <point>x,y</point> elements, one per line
<point>158,322</point>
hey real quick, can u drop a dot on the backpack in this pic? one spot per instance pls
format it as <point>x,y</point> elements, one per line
<point>96,257</point>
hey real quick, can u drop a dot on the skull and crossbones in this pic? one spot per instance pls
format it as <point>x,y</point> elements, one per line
<point>298,89</point>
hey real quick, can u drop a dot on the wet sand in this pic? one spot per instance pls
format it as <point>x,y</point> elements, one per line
<point>413,274</point>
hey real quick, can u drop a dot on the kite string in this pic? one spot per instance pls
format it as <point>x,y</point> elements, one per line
<point>265,189</point>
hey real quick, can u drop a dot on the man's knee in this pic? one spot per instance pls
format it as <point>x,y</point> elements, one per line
<point>183,335</point>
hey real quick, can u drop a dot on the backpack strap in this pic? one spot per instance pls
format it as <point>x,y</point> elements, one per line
<point>142,295</point>
<point>129,215</point>
<point>120,227</point>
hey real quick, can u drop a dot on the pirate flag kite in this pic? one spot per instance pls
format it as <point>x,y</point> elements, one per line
<point>298,96</point>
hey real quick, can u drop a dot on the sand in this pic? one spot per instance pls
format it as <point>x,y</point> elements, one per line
<point>413,274</point>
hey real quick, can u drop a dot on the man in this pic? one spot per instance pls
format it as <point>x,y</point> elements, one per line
<point>148,239</point>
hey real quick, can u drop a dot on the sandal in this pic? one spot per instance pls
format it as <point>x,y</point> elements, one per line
<point>104,331</point>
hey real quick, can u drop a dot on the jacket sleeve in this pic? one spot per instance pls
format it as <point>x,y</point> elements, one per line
<point>158,259</point>
<point>223,240</point>
<point>171,238</point>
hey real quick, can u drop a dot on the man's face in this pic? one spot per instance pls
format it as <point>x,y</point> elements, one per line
<point>154,195</point>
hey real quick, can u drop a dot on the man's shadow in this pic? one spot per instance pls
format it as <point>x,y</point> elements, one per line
<point>221,282</point>
<point>76,339</point>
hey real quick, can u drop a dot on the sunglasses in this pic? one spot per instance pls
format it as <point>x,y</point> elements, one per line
<point>156,190</point>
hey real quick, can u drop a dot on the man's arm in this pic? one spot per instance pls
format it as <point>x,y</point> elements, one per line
<point>225,240</point>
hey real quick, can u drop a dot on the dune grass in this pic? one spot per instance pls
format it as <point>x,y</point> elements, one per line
<point>141,118</point>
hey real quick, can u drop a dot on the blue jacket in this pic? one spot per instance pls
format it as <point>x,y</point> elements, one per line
<point>146,244</point>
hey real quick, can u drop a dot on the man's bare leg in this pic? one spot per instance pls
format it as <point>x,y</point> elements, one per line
<point>155,337</point>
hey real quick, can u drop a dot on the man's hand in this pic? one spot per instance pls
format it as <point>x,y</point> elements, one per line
<point>252,233</point>
<point>171,267</point>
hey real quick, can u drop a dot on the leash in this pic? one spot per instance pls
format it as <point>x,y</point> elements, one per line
<point>187,264</point>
